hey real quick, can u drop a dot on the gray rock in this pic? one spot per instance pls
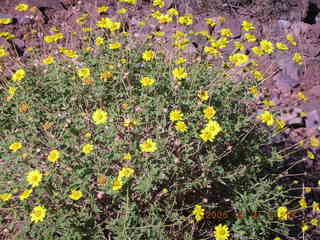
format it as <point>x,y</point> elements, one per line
<point>313,119</point>
<point>284,24</point>
<point>292,118</point>
<point>285,82</point>
<point>55,4</point>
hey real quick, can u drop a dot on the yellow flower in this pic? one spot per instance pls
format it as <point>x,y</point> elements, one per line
<point>122,11</point>
<point>250,37</point>
<point>257,75</point>
<point>291,39</point>
<point>164,18</point>
<point>221,232</point>
<point>99,117</point>
<point>48,60</point>
<point>12,91</point>
<point>3,52</point>
<point>25,194</point>
<point>38,214</point>
<point>106,75</point>
<point>22,7</point>
<point>180,60</point>
<point>303,203</point>
<point>280,124</point>
<point>34,178</point>
<point>99,41</point>
<point>212,51</point>
<point>257,51</point>
<point>304,227</point>
<point>172,12</point>
<point>307,189</point>
<point>165,190</point>
<point>158,3</point>
<point>75,195</point>
<point>87,135</point>
<point>203,95</point>
<point>181,126</point>
<point>277,238</point>
<point>239,46</point>
<point>87,148</point>
<point>301,96</point>
<point>314,142</point>
<point>5,20</point>
<point>127,156</point>
<point>266,46</point>
<point>148,55</point>
<point>69,53</point>
<point>254,91</point>
<point>314,222</point>
<point>238,59</point>
<point>176,115</point>
<point>53,156</point>
<point>130,123</point>
<point>220,43</point>
<point>102,9</point>
<point>222,19</point>
<point>126,172</point>
<point>210,22</point>
<point>315,205</point>
<point>281,46</point>
<point>226,32</point>
<point>209,112</point>
<point>49,39</point>
<point>179,73</point>
<point>198,212</point>
<point>210,131</point>
<point>310,155</point>
<point>5,196</point>
<point>282,213</point>
<point>186,20</point>
<point>101,180</point>
<point>23,107</point>
<point>19,75</point>
<point>117,184</point>
<point>266,117</point>
<point>297,58</point>
<point>141,23</point>
<point>114,26</point>
<point>115,45</point>
<point>15,146</point>
<point>247,26</point>
<point>158,34</point>
<point>146,81</point>
<point>148,146</point>
<point>84,72</point>
<point>268,103</point>
<point>104,23</point>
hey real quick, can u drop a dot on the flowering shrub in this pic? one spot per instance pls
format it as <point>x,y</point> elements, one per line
<point>126,144</point>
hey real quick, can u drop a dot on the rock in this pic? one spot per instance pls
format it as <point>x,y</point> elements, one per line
<point>284,24</point>
<point>292,118</point>
<point>198,41</point>
<point>289,67</point>
<point>285,82</point>
<point>299,28</point>
<point>19,45</point>
<point>55,4</point>
<point>310,105</point>
<point>313,119</point>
